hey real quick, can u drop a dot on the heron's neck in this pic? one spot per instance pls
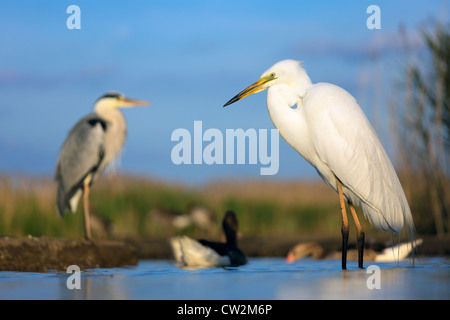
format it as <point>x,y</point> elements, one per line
<point>108,113</point>
<point>104,106</point>
<point>115,133</point>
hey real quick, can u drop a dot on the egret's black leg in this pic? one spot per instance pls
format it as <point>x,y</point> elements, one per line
<point>345,233</point>
<point>359,238</point>
<point>344,229</point>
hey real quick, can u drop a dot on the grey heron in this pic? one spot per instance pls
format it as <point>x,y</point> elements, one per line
<point>90,146</point>
<point>330,131</point>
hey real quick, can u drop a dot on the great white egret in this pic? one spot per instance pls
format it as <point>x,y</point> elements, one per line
<point>330,131</point>
<point>90,146</point>
<point>208,254</point>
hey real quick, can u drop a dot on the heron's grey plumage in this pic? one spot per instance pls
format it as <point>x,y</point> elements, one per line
<point>81,154</point>
<point>93,143</point>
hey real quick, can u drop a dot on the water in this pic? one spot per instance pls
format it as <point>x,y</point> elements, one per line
<point>260,279</point>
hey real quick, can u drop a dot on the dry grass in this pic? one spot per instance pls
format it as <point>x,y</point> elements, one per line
<point>27,206</point>
<point>288,193</point>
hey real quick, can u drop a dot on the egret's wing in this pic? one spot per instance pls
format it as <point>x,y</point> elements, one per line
<point>81,154</point>
<point>346,142</point>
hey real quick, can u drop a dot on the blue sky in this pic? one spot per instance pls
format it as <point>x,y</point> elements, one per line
<point>188,58</point>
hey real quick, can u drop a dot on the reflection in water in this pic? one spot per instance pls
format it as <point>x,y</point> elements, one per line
<point>95,286</point>
<point>261,278</point>
<point>425,281</point>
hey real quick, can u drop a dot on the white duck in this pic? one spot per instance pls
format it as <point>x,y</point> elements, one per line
<point>208,254</point>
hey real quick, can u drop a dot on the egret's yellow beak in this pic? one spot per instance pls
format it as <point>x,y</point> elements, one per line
<point>254,88</point>
<point>126,102</point>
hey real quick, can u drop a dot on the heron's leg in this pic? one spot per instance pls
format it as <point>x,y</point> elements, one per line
<point>344,229</point>
<point>87,223</point>
<point>360,236</point>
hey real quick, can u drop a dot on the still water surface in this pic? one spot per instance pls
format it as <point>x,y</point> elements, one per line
<point>261,279</point>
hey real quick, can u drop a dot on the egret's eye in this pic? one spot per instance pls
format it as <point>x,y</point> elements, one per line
<point>272,75</point>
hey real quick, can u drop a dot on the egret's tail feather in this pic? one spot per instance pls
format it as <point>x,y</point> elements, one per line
<point>410,230</point>
<point>398,252</point>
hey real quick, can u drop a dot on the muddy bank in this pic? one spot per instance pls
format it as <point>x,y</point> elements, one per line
<point>32,254</point>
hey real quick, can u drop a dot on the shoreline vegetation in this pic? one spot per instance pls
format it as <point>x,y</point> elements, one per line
<point>126,206</point>
<point>140,214</point>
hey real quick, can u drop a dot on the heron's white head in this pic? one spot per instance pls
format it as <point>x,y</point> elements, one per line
<point>114,100</point>
<point>285,72</point>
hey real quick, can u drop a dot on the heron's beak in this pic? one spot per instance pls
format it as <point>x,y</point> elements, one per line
<point>254,88</point>
<point>126,102</point>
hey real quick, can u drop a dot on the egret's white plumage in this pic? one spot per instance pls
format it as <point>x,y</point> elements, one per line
<point>325,124</point>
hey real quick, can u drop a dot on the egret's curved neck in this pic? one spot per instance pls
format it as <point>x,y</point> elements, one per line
<point>301,84</point>
<point>290,122</point>
<point>280,100</point>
